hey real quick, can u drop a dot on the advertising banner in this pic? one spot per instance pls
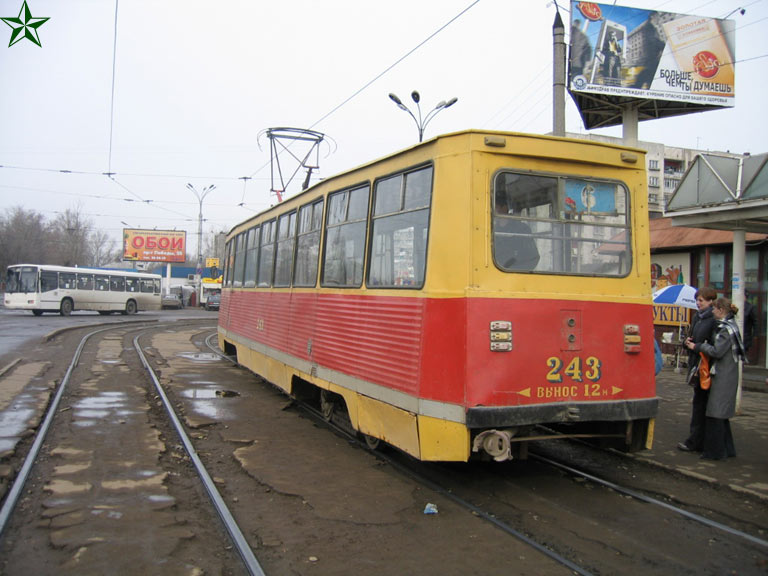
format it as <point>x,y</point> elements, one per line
<point>155,245</point>
<point>647,54</point>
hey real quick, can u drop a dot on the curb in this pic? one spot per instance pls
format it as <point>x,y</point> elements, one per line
<point>51,335</point>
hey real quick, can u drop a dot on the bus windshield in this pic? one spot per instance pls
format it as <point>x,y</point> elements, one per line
<point>21,279</point>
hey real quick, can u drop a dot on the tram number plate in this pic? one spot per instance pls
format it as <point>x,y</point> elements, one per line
<point>577,370</point>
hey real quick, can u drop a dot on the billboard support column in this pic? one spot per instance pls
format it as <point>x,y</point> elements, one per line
<point>629,118</point>
<point>558,91</point>
<point>737,291</point>
<point>167,278</point>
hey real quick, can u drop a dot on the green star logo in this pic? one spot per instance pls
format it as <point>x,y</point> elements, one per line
<point>25,26</point>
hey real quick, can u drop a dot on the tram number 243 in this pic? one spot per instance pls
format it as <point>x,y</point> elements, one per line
<point>577,369</point>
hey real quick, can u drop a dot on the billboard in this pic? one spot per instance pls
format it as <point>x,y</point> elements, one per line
<point>631,53</point>
<point>154,245</point>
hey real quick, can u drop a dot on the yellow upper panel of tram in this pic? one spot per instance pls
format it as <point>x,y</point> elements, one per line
<point>459,258</point>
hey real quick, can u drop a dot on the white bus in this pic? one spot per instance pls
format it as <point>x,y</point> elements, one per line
<point>42,288</point>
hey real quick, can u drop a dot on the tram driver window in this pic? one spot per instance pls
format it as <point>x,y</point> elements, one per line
<point>560,225</point>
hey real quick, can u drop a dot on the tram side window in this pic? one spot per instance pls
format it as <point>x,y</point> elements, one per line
<point>102,283</point>
<point>266,254</point>
<point>240,244</point>
<point>308,244</point>
<point>345,238</point>
<point>229,263</point>
<point>67,281</point>
<point>117,284</point>
<point>85,281</point>
<point>132,285</point>
<point>251,258</point>
<point>400,230</point>
<point>560,225</point>
<point>286,233</point>
<point>48,281</point>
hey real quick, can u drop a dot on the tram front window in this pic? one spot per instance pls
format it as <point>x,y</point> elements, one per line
<point>559,225</point>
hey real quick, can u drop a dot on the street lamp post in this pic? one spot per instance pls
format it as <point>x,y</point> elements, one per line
<point>199,271</point>
<point>421,122</point>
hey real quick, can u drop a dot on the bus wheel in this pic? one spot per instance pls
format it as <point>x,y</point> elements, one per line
<point>66,307</point>
<point>130,307</point>
<point>37,312</point>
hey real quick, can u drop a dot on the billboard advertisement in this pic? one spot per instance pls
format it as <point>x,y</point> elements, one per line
<point>647,54</point>
<point>154,245</point>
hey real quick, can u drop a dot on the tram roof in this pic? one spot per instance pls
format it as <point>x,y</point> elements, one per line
<point>446,136</point>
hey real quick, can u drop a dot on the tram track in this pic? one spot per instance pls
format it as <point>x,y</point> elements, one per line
<point>541,544</point>
<point>70,385</point>
<point>435,478</point>
<point>526,507</point>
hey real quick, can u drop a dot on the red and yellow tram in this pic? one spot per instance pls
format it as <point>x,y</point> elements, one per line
<point>456,295</point>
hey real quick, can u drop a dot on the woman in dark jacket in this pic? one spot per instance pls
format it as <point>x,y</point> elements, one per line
<point>702,328</point>
<point>726,352</point>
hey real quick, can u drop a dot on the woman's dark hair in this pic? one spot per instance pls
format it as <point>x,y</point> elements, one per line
<point>708,293</point>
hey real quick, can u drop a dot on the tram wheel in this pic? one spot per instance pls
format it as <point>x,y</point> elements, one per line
<point>372,442</point>
<point>327,405</point>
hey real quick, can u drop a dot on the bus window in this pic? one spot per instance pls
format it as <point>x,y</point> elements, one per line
<point>560,225</point>
<point>101,282</point>
<point>85,281</point>
<point>158,285</point>
<point>400,230</point>
<point>308,246</point>
<point>147,286</point>
<point>345,238</point>
<point>49,281</point>
<point>117,284</point>
<point>132,285</point>
<point>286,232</point>
<point>67,281</point>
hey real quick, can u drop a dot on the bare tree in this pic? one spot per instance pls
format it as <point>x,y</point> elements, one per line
<point>102,249</point>
<point>24,237</point>
<point>71,231</point>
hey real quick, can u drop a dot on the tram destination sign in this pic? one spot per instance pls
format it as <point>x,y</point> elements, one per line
<point>674,63</point>
<point>154,245</point>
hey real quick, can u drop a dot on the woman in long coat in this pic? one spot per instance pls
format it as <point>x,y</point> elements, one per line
<point>725,354</point>
<point>702,329</point>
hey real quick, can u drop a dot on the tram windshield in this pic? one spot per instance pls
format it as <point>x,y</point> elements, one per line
<point>559,225</point>
<point>21,279</point>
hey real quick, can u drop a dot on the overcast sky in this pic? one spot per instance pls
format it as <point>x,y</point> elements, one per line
<point>196,84</point>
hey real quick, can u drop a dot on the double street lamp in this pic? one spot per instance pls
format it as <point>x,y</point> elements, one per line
<point>200,197</point>
<point>421,123</point>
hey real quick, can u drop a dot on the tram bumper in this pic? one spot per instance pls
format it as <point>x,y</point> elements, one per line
<point>562,413</point>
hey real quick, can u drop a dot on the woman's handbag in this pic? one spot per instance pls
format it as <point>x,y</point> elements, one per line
<point>693,372</point>
<point>705,379</point>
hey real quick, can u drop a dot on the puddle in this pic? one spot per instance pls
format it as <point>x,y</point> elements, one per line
<point>92,413</point>
<point>160,498</point>
<point>208,394</point>
<point>200,356</point>
<point>8,444</point>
